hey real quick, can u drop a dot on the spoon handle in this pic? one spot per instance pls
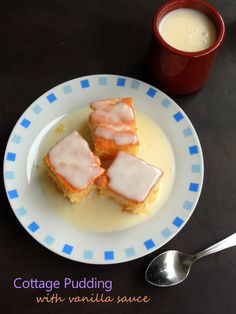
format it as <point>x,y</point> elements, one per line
<point>224,244</point>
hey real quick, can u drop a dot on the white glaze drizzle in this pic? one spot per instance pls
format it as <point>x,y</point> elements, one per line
<point>74,161</point>
<point>113,112</point>
<point>132,177</point>
<point>112,119</point>
<point>120,138</point>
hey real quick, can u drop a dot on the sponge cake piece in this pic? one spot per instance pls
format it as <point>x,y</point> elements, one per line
<point>73,167</point>
<point>113,127</point>
<point>131,182</point>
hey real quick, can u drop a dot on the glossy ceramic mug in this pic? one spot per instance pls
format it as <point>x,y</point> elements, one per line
<point>181,72</point>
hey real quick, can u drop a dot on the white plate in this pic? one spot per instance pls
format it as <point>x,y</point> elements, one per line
<point>64,238</point>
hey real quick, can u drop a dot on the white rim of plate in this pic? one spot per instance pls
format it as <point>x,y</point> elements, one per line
<point>107,255</point>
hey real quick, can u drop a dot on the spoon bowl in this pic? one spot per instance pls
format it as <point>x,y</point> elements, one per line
<point>168,268</point>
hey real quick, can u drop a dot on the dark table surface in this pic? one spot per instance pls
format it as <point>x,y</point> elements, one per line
<point>44,43</point>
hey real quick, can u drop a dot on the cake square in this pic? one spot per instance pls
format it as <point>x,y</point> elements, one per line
<point>113,127</point>
<point>73,167</point>
<point>131,182</point>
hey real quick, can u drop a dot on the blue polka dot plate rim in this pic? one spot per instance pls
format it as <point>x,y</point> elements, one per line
<point>114,247</point>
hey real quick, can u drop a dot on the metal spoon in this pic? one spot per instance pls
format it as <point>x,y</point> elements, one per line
<point>172,267</point>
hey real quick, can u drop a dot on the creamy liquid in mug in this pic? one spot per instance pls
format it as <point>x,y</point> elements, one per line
<point>187,30</point>
<point>99,213</point>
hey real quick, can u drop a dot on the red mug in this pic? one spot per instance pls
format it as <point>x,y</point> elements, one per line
<point>181,72</point>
